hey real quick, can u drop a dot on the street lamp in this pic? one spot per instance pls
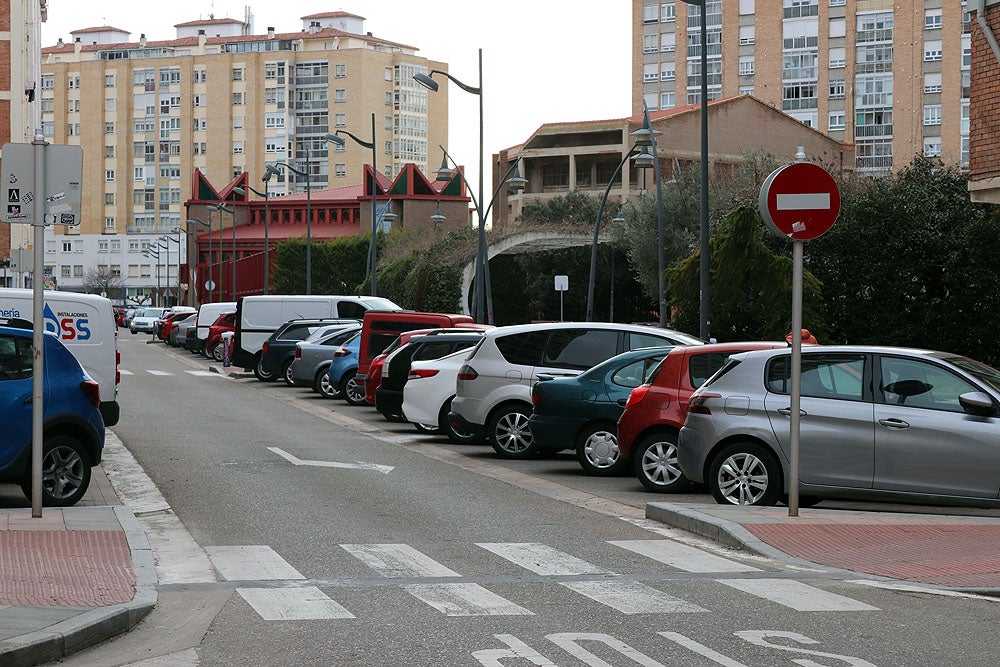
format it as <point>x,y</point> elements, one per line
<point>193,221</point>
<point>428,82</point>
<point>635,150</point>
<point>704,266</point>
<point>269,171</point>
<point>339,141</point>
<point>166,263</point>
<point>178,230</point>
<point>222,207</point>
<point>308,177</point>
<point>149,253</point>
<point>646,137</point>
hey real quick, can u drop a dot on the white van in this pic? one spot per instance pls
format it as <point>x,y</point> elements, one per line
<point>207,314</point>
<point>85,323</point>
<point>257,317</point>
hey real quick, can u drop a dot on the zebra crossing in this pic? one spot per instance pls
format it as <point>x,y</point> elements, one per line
<point>159,373</point>
<point>277,591</point>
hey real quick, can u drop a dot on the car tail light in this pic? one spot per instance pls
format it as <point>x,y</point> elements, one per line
<point>298,352</point>
<point>467,372</point>
<point>697,405</point>
<point>637,395</point>
<point>417,373</point>
<point>118,362</point>
<point>341,352</point>
<point>535,396</point>
<point>92,391</point>
<point>265,348</point>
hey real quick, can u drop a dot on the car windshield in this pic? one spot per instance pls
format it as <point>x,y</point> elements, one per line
<point>152,312</point>
<point>982,372</point>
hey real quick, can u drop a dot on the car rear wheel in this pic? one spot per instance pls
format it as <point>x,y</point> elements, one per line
<point>428,429</point>
<point>597,450</point>
<point>353,392</point>
<point>216,352</point>
<point>323,386</point>
<point>508,433</point>
<point>65,472</point>
<point>286,373</point>
<point>263,373</point>
<point>655,463</point>
<point>745,473</point>
<point>456,436</point>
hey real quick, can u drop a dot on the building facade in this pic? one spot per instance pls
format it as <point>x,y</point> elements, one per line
<point>891,76</point>
<point>223,101</point>
<point>984,153</point>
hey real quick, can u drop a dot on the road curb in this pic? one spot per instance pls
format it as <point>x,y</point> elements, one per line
<point>96,625</point>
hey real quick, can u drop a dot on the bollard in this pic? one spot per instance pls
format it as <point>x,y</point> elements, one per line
<point>227,349</point>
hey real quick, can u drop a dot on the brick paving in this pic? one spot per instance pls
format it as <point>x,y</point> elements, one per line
<point>964,556</point>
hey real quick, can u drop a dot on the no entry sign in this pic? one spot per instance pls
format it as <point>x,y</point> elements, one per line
<point>799,201</point>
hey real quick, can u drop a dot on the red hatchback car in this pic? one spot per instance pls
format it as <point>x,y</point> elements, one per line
<point>655,411</point>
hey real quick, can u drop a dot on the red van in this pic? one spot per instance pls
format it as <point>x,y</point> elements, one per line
<point>380,327</point>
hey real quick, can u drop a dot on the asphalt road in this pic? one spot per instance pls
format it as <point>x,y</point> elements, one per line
<point>292,530</point>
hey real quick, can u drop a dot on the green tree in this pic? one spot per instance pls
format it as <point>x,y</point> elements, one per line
<point>338,266</point>
<point>749,286</point>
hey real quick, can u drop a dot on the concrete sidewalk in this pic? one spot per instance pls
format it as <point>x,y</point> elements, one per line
<point>72,578</point>
<point>952,548</point>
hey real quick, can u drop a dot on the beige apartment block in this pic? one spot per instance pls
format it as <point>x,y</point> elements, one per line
<point>224,101</point>
<point>891,76</point>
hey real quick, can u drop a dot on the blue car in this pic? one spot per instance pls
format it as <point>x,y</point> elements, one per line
<point>339,380</point>
<point>582,412</point>
<point>73,433</point>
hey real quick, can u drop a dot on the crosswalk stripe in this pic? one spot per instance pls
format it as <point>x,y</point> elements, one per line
<point>542,559</point>
<point>796,595</point>
<point>307,603</point>
<point>682,556</point>
<point>158,372</point>
<point>628,597</point>
<point>251,563</point>
<point>465,600</point>
<point>398,560</point>
<point>204,374</point>
<point>125,372</point>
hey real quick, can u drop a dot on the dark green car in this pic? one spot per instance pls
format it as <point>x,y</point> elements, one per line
<point>582,412</point>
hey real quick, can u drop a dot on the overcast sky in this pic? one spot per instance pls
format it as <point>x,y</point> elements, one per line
<point>543,61</point>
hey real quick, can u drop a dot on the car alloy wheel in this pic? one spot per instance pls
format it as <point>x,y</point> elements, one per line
<point>262,372</point>
<point>597,450</point>
<point>65,472</point>
<point>323,386</point>
<point>456,436</point>
<point>217,352</point>
<point>353,392</point>
<point>286,373</point>
<point>655,463</point>
<point>509,433</point>
<point>745,473</point>
<point>428,429</point>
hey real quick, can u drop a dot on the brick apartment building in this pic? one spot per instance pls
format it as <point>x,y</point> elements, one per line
<point>984,154</point>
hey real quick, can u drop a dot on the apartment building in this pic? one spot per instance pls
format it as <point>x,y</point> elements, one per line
<point>891,76</point>
<point>220,99</point>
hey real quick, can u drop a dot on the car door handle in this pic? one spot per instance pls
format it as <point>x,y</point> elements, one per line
<point>29,401</point>
<point>894,423</point>
<point>788,411</point>
<point>622,402</point>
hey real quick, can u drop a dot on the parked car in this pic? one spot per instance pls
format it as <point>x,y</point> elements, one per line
<point>310,353</point>
<point>73,429</point>
<point>208,313</point>
<point>179,329</point>
<point>428,392</point>
<point>278,351</point>
<point>396,367</point>
<point>582,412</point>
<point>213,342</point>
<point>168,317</point>
<point>337,377</point>
<point>655,411</point>
<point>493,392</point>
<point>145,320</point>
<point>877,423</point>
<point>129,315</point>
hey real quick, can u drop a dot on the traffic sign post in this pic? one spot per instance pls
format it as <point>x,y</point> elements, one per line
<point>562,284</point>
<point>800,202</point>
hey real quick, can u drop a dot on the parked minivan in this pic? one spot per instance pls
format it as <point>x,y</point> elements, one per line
<point>493,392</point>
<point>85,323</point>
<point>208,313</point>
<point>257,317</point>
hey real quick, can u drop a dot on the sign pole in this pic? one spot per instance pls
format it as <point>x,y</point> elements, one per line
<point>796,393</point>
<point>38,329</point>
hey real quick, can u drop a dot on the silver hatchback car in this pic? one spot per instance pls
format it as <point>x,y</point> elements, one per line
<point>877,423</point>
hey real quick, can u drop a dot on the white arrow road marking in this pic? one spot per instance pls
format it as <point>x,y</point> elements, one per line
<point>804,202</point>
<point>385,470</point>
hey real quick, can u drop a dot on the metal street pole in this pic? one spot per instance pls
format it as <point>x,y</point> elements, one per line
<point>308,220</point>
<point>597,230</point>
<point>704,330</point>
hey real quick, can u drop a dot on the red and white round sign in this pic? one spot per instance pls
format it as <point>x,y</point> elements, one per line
<point>799,201</point>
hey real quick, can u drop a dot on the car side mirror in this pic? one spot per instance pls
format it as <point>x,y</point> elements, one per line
<point>544,377</point>
<point>977,403</point>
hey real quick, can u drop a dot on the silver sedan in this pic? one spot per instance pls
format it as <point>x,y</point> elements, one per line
<point>309,354</point>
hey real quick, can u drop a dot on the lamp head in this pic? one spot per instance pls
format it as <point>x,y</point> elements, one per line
<point>239,191</point>
<point>516,182</point>
<point>336,139</point>
<point>444,172</point>
<point>269,171</point>
<point>426,81</point>
<point>438,217</point>
<point>642,161</point>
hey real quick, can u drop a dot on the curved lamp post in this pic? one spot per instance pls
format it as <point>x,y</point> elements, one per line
<point>232,259</point>
<point>196,221</point>
<point>634,151</point>
<point>428,82</point>
<point>646,136</point>
<point>150,253</point>
<point>372,250</point>
<point>178,230</point>
<point>266,212</point>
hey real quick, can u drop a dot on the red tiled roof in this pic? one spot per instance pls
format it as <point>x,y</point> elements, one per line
<point>103,28</point>
<point>189,24</point>
<point>344,194</point>
<point>333,15</point>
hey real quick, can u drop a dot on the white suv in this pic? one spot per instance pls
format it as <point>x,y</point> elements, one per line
<point>493,392</point>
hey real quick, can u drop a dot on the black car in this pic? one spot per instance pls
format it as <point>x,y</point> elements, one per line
<point>278,352</point>
<point>389,395</point>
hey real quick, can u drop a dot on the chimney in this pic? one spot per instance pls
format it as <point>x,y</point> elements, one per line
<point>142,40</point>
<point>59,43</point>
<point>201,38</point>
<point>270,32</point>
<point>313,27</point>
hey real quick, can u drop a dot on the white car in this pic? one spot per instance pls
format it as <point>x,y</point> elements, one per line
<point>145,320</point>
<point>428,391</point>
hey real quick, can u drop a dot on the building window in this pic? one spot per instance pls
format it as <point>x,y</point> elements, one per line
<point>649,43</point>
<point>746,65</point>
<point>109,176</point>
<point>116,245</point>
<point>932,50</point>
<point>109,104</point>
<point>109,198</point>
<point>668,42</point>
<point>48,82</point>
<point>932,114</point>
<point>838,27</point>
<point>340,120</point>
<point>65,271</point>
<point>109,80</point>
<point>668,72</point>
<point>237,99</point>
<point>237,122</point>
<point>109,223</point>
<point>966,52</point>
<point>339,71</point>
<point>102,246</point>
<point>340,95</point>
<point>649,14</point>
<point>109,151</point>
<point>748,34</point>
<point>339,170</point>
<point>78,270</point>
<point>271,146</point>
<point>109,128</point>
<point>838,3</point>
<point>649,72</point>
<point>837,89</point>
<point>237,148</point>
<point>73,82</point>
<point>795,9</point>
<point>747,7</point>
<point>237,74</point>
<point>932,82</point>
<point>668,12</point>
<point>932,19</point>
<point>838,58</point>
<point>274,120</point>
<point>746,90</point>
<point>836,121</point>
<point>388,99</point>
<point>667,100</point>
<point>932,146</point>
